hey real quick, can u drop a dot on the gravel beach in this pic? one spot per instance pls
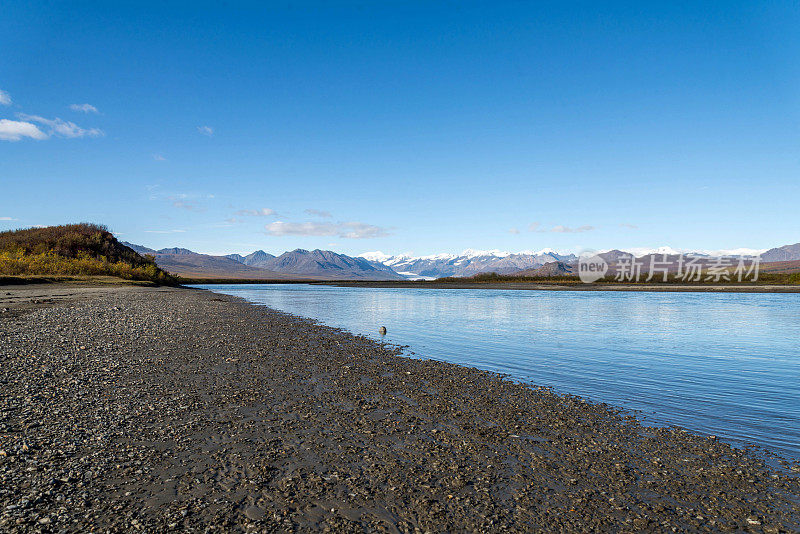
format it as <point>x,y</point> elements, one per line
<point>128,408</point>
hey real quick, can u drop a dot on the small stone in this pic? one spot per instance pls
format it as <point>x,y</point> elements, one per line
<point>254,513</point>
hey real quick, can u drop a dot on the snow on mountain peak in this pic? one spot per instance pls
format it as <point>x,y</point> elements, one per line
<point>472,253</point>
<point>376,256</point>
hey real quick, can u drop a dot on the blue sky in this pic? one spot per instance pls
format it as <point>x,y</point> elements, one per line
<point>404,126</point>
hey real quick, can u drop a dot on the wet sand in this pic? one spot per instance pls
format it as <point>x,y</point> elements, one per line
<point>156,409</point>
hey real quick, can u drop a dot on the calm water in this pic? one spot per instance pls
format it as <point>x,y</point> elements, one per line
<point>724,364</point>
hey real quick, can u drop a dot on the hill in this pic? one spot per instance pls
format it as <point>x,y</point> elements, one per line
<point>74,249</point>
<point>295,265</point>
<point>189,264</point>
<point>784,253</point>
<point>259,258</point>
<point>321,264</point>
<point>554,269</point>
<point>195,265</point>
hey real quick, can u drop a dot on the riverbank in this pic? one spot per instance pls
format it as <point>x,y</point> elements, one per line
<point>578,286</point>
<point>159,408</point>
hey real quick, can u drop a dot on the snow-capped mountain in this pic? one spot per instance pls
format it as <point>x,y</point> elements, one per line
<point>468,263</point>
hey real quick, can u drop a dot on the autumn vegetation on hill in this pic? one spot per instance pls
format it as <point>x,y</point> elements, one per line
<point>75,249</point>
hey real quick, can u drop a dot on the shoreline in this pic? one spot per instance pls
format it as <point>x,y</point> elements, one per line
<point>578,286</point>
<point>188,408</point>
<point>520,286</point>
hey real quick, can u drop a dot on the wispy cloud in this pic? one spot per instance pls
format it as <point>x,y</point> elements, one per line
<point>319,213</point>
<point>560,229</point>
<point>85,108</point>
<point>357,230</point>
<point>61,128</point>
<point>629,226</point>
<point>159,157</point>
<point>189,206</point>
<point>165,231</point>
<point>16,130</point>
<point>7,219</point>
<point>5,98</point>
<point>185,201</point>
<point>263,212</point>
<point>567,230</point>
<point>513,231</point>
<point>206,130</point>
<point>346,230</point>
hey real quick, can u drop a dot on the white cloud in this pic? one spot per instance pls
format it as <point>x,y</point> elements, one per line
<point>61,127</point>
<point>357,230</point>
<point>85,108</point>
<point>159,157</point>
<point>206,130</point>
<point>628,226</point>
<point>560,229</point>
<point>7,219</point>
<point>5,98</point>
<point>16,130</point>
<point>281,228</point>
<point>186,201</point>
<point>346,230</point>
<point>165,231</point>
<point>513,231</point>
<point>263,212</point>
<point>319,213</point>
<point>191,206</point>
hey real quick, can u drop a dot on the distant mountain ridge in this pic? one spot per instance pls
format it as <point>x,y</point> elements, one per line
<point>327,265</point>
<point>321,263</point>
<point>186,263</point>
<point>550,270</point>
<point>259,258</point>
<point>259,265</point>
<point>469,263</point>
<point>784,253</point>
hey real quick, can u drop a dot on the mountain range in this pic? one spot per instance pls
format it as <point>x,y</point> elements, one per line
<point>320,264</point>
<point>303,264</point>
<point>295,265</point>
<point>468,263</point>
<point>785,253</point>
